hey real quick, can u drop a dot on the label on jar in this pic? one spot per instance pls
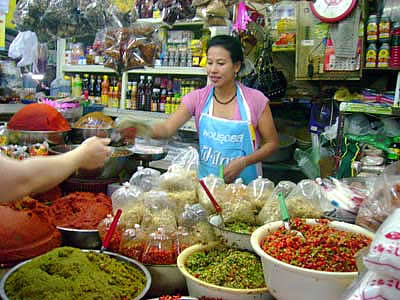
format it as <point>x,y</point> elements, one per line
<point>372,31</point>
<point>384,30</point>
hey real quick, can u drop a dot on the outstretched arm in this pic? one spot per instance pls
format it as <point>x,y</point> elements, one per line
<point>37,174</point>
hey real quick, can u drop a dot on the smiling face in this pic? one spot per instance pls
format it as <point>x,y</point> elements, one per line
<point>220,68</point>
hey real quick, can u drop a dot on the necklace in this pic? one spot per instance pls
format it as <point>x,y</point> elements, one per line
<point>224,103</point>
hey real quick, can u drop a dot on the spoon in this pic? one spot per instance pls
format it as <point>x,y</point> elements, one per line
<point>285,215</point>
<point>218,208</point>
<point>111,231</point>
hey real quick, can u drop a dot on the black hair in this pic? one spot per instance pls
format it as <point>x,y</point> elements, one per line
<point>230,44</point>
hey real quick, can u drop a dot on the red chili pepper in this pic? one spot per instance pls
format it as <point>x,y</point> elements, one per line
<point>324,248</point>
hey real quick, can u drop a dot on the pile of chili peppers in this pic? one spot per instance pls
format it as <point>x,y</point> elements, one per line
<point>323,247</point>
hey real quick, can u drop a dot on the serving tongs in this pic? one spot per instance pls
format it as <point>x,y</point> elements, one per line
<point>111,231</point>
<point>218,208</point>
<point>285,215</point>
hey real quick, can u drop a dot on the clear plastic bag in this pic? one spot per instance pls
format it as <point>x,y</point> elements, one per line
<point>373,286</point>
<point>271,211</point>
<point>125,196</point>
<point>191,215</point>
<point>95,120</point>
<point>25,46</point>
<point>182,198</point>
<point>357,124</point>
<point>103,228</point>
<point>212,182</point>
<point>384,198</point>
<point>132,243</point>
<point>159,249</point>
<point>259,191</point>
<point>160,212</point>
<point>384,252</point>
<point>145,178</point>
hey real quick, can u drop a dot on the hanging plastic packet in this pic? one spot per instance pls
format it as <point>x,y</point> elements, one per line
<point>271,211</point>
<point>125,196</point>
<point>384,252</point>
<point>159,249</point>
<point>133,241</point>
<point>145,178</point>
<point>373,286</point>
<point>213,183</point>
<point>182,240</point>
<point>259,191</point>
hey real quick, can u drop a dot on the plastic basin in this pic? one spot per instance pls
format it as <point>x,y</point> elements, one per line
<point>287,282</point>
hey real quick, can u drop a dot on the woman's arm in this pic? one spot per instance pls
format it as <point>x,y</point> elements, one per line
<point>269,135</point>
<point>167,128</point>
<point>38,174</point>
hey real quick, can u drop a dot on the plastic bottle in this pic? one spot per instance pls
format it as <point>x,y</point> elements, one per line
<point>372,29</point>
<point>384,56</point>
<point>371,56</point>
<point>140,93</point>
<point>128,96</point>
<point>384,29</point>
<point>55,87</point>
<point>105,85</point>
<point>77,86</point>
<point>134,95</point>
<point>65,87</point>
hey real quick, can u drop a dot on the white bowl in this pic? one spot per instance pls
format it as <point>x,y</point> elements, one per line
<point>287,282</point>
<point>198,288</point>
<point>232,239</point>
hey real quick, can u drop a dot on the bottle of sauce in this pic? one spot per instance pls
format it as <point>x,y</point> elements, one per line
<point>128,96</point>
<point>140,93</point>
<point>384,56</point>
<point>111,97</point>
<point>384,29</point>
<point>163,100</point>
<point>77,86</point>
<point>97,92</point>
<point>371,56</point>
<point>105,85</point>
<point>92,85</point>
<point>134,95</point>
<point>116,98</point>
<point>372,29</point>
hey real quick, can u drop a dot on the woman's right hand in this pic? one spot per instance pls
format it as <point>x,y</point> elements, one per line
<point>94,152</point>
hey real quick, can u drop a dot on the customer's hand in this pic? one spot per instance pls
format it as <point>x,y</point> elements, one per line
<point>93,153</point>
<point>233,169</point>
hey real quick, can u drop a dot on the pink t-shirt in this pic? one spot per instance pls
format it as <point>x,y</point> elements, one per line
<point>256,100</point>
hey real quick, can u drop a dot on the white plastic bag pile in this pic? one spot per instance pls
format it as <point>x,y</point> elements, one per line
<point>382,280</point>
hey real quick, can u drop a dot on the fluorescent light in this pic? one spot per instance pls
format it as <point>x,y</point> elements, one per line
<point>37,76</point>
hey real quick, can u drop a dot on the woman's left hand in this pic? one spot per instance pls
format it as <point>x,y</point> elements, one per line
<point>233,169</point>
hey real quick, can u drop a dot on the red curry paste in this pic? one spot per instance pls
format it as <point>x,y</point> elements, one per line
<point>38,117</point>
<point>26,230</point>
<point>81,210</point>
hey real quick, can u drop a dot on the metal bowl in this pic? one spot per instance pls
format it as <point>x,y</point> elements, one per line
<point>285,151</point>
<point>232,239</point>
<point>80,238</point>
<point>133,262</point>
<point>111,169</point>
<point>26,137</point>
<point>78,135</point>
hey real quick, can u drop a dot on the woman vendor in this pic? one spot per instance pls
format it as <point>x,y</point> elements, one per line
<point>231,119</point>
<point>38,174</point>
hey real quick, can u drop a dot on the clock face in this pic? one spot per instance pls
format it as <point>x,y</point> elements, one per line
<point>332,10</point>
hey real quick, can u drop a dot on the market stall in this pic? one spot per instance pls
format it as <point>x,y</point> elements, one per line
<point>320,219</point>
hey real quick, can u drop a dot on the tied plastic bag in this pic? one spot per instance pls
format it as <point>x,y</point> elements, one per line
<point>384,198</point>
<point>159,249</point>
<point>271,211</point>
<point>236,204</point>
<point>191,215</point>
<point>181,198</point>
<point>159,212</point>
<point>373,286</point>
<point>384,252</point>
<point>125,196</point>
<point>259,191</point>
<point>25,45</point>
<point>132,243</point>
<point>212,182</point>
<point>145,178</point>
<point>341,195</point>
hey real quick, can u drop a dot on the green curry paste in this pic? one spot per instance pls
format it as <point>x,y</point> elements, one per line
<point>68,273</point>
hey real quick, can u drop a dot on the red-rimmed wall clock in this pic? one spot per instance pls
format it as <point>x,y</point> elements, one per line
<point>331,11</point>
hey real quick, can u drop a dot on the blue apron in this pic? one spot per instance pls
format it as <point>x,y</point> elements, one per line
<point>222,140</point>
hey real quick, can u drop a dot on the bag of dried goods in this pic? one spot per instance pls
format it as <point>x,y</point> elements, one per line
<point>181,198</point>
<point>259,191</point>
<point>212,182</point>
<point>103,228</point>
<point>271,211</point>
<point>159,249</point>
<point>145,178</point>
<point>132,243</point>
<point>384,252</point>
<point>235,203</point>
<point>384,198</point>
<point>159,212</point>
<point>191,215</point>
<point>373,286</point>
<point>125,196</point>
